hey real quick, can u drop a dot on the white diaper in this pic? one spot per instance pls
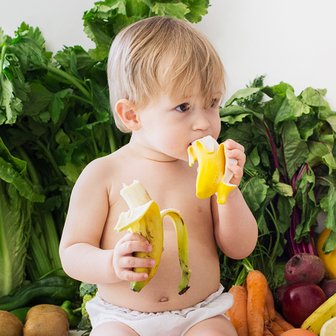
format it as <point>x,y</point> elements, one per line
<point>172,323</point>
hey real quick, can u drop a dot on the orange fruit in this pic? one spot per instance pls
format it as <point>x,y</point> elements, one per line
<point>298,332</point>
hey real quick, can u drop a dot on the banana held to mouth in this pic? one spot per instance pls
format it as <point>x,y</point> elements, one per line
<point>213,174</point>
<point>144,217</point>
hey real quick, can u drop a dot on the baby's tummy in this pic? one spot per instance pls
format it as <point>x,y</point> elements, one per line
<point>161,293</point>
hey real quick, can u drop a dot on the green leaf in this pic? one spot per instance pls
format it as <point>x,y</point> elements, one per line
<point>254,157</point>
<point>280,90</point>
<point>178,10</point>
<point>12,171</point>
<point>57,104</point>
<point>10,105</point>
<point>255,191</point>
<point>294,148</point>
<point>197,9</point>
<point>291,108</point>
<point>317,150</point>
<point>39,99</point>
<point>285,207</point>
<point>236,114</point>
<point>332,122</point>
<point>328,202</point>
<point>314,97</point>
<point>15,223</point>
<point>241,94</point>
<point>2,37</point>
<point>283,189</point>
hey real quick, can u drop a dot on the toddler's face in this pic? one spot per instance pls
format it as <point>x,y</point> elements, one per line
<point>169,125</point>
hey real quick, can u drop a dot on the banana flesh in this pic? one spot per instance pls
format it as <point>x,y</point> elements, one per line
<point>213,175</point>
<point>144,217</point>
<point>322,314</point>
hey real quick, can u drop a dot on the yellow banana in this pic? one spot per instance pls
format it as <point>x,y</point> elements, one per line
<point>213,175</point>
<point>144,217</point>
<point>182,246</point>
<point>323,313</point>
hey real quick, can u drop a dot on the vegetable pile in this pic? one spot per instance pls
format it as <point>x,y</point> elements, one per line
<point>308,298</point>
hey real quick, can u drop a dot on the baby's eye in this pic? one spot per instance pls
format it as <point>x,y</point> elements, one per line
<point>183,107</point>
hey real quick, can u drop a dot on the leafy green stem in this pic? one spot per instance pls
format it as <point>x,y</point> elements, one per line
<point>71,79</point>
<point>248,266</point>
<point>84,100</point>
<point>273,146</point>
<point>2,58</point>
<point>31,169</point>
<point>272,215</point>
<point>50,158</point>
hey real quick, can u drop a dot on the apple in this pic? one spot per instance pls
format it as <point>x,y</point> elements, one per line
<point>299,300</point>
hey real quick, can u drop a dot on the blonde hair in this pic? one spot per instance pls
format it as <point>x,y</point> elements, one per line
<point>161,55</point>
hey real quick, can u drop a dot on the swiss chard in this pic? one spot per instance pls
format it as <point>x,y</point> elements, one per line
<point>290,172</point>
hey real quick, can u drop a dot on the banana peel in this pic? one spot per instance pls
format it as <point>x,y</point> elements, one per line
<point>213,174</point>
<point>144,217</point>
<point>323,313</point>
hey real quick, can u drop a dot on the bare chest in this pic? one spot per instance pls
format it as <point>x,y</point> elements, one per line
<point>170,186</point>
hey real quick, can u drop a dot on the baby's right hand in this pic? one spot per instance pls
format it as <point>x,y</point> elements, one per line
<point>124,261</point>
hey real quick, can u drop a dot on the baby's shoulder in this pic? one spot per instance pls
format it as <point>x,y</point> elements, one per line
<point>101,168</point>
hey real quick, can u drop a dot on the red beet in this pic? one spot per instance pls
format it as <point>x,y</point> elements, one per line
<point>329,287</point>
<point>299,300</point>
<point>304,267</point>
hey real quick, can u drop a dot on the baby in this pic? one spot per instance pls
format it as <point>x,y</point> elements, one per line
<point>166,83</point>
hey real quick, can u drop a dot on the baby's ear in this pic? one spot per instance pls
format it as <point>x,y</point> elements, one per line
<point>127,114</point>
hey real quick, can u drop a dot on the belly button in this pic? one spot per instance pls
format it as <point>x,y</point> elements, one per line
<point>163,299</point>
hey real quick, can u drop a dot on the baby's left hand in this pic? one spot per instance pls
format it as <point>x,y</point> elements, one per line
<point>236,151</point>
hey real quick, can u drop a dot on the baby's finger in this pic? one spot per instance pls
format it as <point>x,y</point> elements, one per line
<point>237,174</point>
<point>238,155</point>
<point>133,236</point>
<point>231,144</point>
<point>132,262</point>
<point>132,276</point>
<point>131,246</point>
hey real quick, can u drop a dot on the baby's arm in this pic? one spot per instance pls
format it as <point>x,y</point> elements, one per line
<point>81,255</point>
<point>236,230</point>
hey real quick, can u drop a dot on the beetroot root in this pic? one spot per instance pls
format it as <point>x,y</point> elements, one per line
<point>329,287</point>
<point>304,267</point>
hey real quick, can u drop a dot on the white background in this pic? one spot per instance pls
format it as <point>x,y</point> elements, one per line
<point>286,40</point>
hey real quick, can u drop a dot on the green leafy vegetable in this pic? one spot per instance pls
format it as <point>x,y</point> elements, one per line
<point>15,224</point>
<point>290,172</point>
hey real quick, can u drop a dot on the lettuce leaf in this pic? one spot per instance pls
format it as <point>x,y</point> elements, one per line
<point>15,224</point>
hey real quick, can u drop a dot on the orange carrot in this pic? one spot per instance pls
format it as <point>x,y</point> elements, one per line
<point>238,313</point>
<point>276,329</point>
<point>282,322</point>
<point>256,285</point>
<point>266,315</point>
<point>269,307</point>
<point>267,332</point>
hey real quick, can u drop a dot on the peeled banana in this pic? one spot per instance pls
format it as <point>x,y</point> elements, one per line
<point>144,217</point>
<point>322,314</point>
<point>213,175</point>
